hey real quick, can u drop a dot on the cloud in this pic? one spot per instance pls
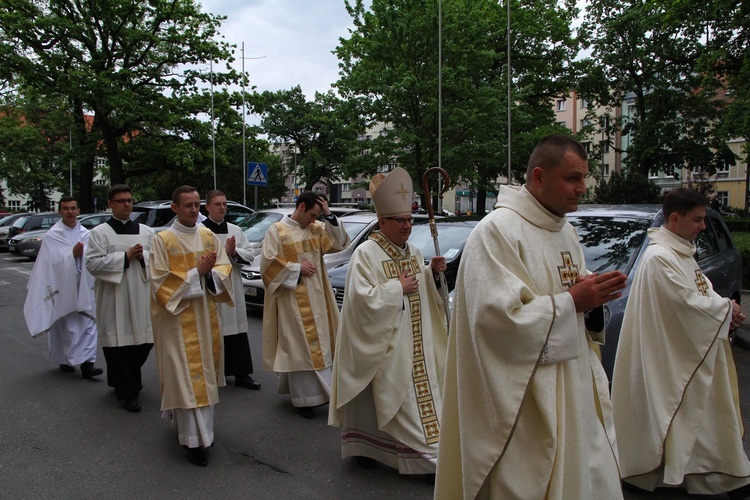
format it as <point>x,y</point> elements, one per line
<point>294,40</point>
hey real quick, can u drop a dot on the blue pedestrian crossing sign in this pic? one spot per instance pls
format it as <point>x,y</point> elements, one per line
<point>257,174</point>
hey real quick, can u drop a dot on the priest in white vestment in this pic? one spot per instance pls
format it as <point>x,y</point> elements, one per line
<point>190,271</point>
<point>526,408</point>
<point>60,297</point>
<point>674,386</point>
<point>300,315</point>
<point>118,258</point>
<point>238,360</point>
<point>390,357</point>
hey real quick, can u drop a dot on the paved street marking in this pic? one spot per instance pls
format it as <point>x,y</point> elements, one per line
<point>21,270</point>
<point>4,283</point>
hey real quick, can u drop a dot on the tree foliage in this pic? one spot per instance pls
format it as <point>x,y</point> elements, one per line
<point>627,188</point>
<point>135,66</point>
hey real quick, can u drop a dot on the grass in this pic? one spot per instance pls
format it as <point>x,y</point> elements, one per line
<point>741,240</point>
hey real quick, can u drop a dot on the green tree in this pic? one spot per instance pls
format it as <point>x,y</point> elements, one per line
<point>131,65</point>
<point>643,57</point>
<point>389,65</point>
<point>628,188</point>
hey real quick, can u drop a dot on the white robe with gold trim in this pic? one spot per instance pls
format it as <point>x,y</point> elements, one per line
<point>187,336</point>
<point>526,409</point>
<point>389,361</point>
<point>674,387</point>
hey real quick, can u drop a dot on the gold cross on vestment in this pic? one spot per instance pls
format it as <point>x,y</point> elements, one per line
<point>568,271</point>
<point>700,282</point>
<point>51,295</point>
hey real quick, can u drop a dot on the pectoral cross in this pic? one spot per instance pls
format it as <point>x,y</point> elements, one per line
<point>51,295</point>
<point>700,282</point>
<point>568,271</point>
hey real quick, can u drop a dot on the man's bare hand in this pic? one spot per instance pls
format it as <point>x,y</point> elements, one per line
<point>324,206</point>
<point>231,246</point>
<point>409,284</point>
<point>737,316</point>
<point>438,264</point>
<point>307,269</point>
<point>78,250</point>
<point>594,289</point>
<point>135,252</point>
<point>206,263</point>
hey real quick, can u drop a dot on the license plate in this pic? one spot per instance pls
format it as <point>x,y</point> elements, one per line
<point>251,291</point>
<point>11,248</point>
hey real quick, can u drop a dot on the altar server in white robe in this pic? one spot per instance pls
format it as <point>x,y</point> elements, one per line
<point>300,314</point>
<point>118,256</point>
<point>60,297</point>
<point>390,357</point>
<point>238,360</point>
<point>526,408</point>
<point>190,271</point>
<point>674,386</point>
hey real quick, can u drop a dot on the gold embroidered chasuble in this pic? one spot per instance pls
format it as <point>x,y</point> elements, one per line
<point>187,336</point>
<point>515,423</point>
<point>681,422</point>
<point>393,343</point>
<point>299,322</point>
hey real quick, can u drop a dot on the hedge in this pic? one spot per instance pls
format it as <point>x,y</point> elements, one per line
<point>737,225</point>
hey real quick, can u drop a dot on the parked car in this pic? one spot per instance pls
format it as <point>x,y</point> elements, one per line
<point>452,236</point>
<point>32,222</point>
<point>5,223</point>
<point>357,225</point>
<point>159,215</point>
<point>28,244</point>
<point>614,238</point>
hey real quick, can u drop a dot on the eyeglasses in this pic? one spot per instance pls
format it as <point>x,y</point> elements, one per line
<point>128,201</point>
<point>402,221</point>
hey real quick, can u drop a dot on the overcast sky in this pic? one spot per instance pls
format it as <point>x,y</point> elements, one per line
<point>295,36</point>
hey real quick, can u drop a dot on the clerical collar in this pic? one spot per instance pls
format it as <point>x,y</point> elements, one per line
<point>182,228</point>
<point>216,227</point>
<point>124,221</point>
<point>124,227</point>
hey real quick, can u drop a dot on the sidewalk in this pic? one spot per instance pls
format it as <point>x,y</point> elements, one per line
<point>742,335</point>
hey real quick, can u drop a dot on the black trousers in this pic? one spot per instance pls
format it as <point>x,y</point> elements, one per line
<point>124,368</point>
<point>237,358</point>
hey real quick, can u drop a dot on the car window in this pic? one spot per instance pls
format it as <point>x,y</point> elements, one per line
<point>353,228</point>
<point>723,240</point>
<point>706,244</point>
<point>256,225</point>
<point>450,238</point>
<point>20,222</point>
<point>610,243</point>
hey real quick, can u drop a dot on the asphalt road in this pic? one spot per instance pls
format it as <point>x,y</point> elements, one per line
<point>65,437</point>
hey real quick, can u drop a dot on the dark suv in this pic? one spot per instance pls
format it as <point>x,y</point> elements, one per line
<point>32,222</point>
<point>159,214</point>
<point>614,238</point>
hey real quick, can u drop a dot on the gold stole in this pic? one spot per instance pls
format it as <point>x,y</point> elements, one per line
<point>291,249</point>
<point>179,265</point>
<point>420,378</point>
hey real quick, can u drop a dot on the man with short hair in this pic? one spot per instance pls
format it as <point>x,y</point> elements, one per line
<point>300,314</point>
<point>526,409</point>
<point>190,271</point>
<point>118,257</point>
<point>238,361</point>
<point>390,359</point>
<point>61,296</point>
<point>674,387</point>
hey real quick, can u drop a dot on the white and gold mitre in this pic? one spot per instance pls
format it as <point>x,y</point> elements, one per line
<point>392,194</point>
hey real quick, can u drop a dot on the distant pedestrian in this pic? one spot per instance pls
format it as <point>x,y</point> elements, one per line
<point>238,360</point>
<point>61,294</point>
<point>674,386</point>
<point>190,271</point>
<point>118,257</point>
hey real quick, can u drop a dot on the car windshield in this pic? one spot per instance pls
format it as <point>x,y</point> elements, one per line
<point>353,228</point>
<point>451,239</point>
<point>610,243</point>
<point>256,225</point>
<point>20,222</point>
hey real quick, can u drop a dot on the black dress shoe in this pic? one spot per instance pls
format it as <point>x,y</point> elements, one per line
<point>366,462</point>
<point>197,457</point>
<point>132,405</point>
<point>88,370</point>
<point>247,382</point>
<point>307,412</point>
<point>67,368</point>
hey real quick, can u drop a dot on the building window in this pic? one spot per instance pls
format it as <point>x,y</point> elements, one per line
<point>584,104</point>
<point>346,186</point>
<point>585,123</point>
<point>724,169</point>
<point>723,197</point>
<point>605,169</point>
<point>586,146</point>
<point>604,147</point>
<point>563,124</point>
<point>14,205</point>
<point>561,105</point>
<point>653,174</point>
